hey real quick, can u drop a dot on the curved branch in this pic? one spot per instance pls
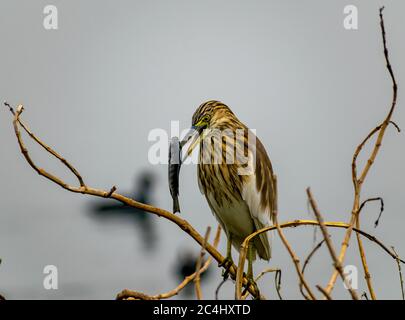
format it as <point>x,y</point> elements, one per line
<point>296,223</point>
<point>358,182</point>
<point>277,281</point>
<point>315,249</point>
<point>131,294</point>
<point>338,266</point>
<point>181,223</point>
<point>197,278</point>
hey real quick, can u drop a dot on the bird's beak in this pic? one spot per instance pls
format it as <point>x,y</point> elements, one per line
<point>194,134</point>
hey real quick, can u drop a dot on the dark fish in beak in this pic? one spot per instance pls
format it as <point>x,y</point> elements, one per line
<point>175,161</point>
<point>174,172</point>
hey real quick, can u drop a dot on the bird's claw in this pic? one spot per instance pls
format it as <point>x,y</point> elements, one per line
<point>227,264</point>
<point>251,282</point>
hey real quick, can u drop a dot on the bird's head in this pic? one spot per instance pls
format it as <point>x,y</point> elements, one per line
<point>209,115</point>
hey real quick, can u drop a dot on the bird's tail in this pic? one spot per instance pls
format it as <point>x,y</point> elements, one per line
<point>263,246</point>
<point>262,242</point>
<point>176,205</point>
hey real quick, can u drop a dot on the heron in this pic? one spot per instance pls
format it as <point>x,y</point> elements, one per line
<point>236,177</point>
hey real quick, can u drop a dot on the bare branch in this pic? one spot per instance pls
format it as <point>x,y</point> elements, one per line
<point>316,248</point>
<point>219,287</point>
<point>130,294</point>
<point>197,279</point>
<point>237,272</point>
<point>277,281</point>
<point>381,208</point>
<point>327,295</point>
<point>112,190</point>
<point>358,182</point>
<point>329,244</point>
<point>297,223</point>
<point>295,259</point>
<point>183,224</point>
<point>9,107</point>
<point>401,279</point>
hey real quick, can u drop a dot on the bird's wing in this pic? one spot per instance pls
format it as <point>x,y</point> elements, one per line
<point>200,186</point>
<point>257,192</point>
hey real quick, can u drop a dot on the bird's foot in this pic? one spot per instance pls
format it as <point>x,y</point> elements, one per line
<point>251,282</point>
<point>227,264</point>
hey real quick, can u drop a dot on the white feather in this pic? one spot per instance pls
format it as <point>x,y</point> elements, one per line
<point>261,217</point>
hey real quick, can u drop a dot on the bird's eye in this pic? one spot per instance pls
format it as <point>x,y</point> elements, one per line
<point>203,121</point>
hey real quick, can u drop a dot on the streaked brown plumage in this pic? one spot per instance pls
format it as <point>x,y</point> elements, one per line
<point>241,203</point>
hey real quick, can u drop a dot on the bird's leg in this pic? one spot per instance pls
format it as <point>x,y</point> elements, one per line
<point>228,262</point>
<point>250,279</point>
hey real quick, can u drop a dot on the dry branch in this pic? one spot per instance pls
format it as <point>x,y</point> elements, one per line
<point>277,281</point>
<point>181,223</point>
<point>306,262</point>
<point>296,223</point>
<point>197,278</point>
<point>358,182</point>
<point>237,273</point>
<point>381,200</point>
<point>131,294</point>
<point>401,279</point>
<point>329,244</point>
<point>245,245</point>
<point>295,259</point>
<point>327,295</point>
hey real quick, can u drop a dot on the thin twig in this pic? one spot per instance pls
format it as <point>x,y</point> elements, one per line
<point>277,281</point>
<point>367,275</point>
<point>9,107</point>
<point>183,224</point>
<point>396,126</point>
<point>329,244</point>
<point>17,114</point>
<point>381,208</point>
<point>296,223</point>
<point>316,248</point>
<point>219,287</point>
<point>358,182</point>
<point>131,294</point>
<point>112,190</point>
<point>327,295</point>
<point>401,279</point>
<point>197,278</point>
<point>294,258</point>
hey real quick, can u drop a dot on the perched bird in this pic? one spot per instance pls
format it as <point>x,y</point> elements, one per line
<point>236,179</point>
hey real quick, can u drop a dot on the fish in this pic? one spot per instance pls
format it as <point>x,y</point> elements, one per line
<point>174,171</point>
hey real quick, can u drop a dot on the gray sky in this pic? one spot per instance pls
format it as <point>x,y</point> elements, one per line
<point>114,71</point>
